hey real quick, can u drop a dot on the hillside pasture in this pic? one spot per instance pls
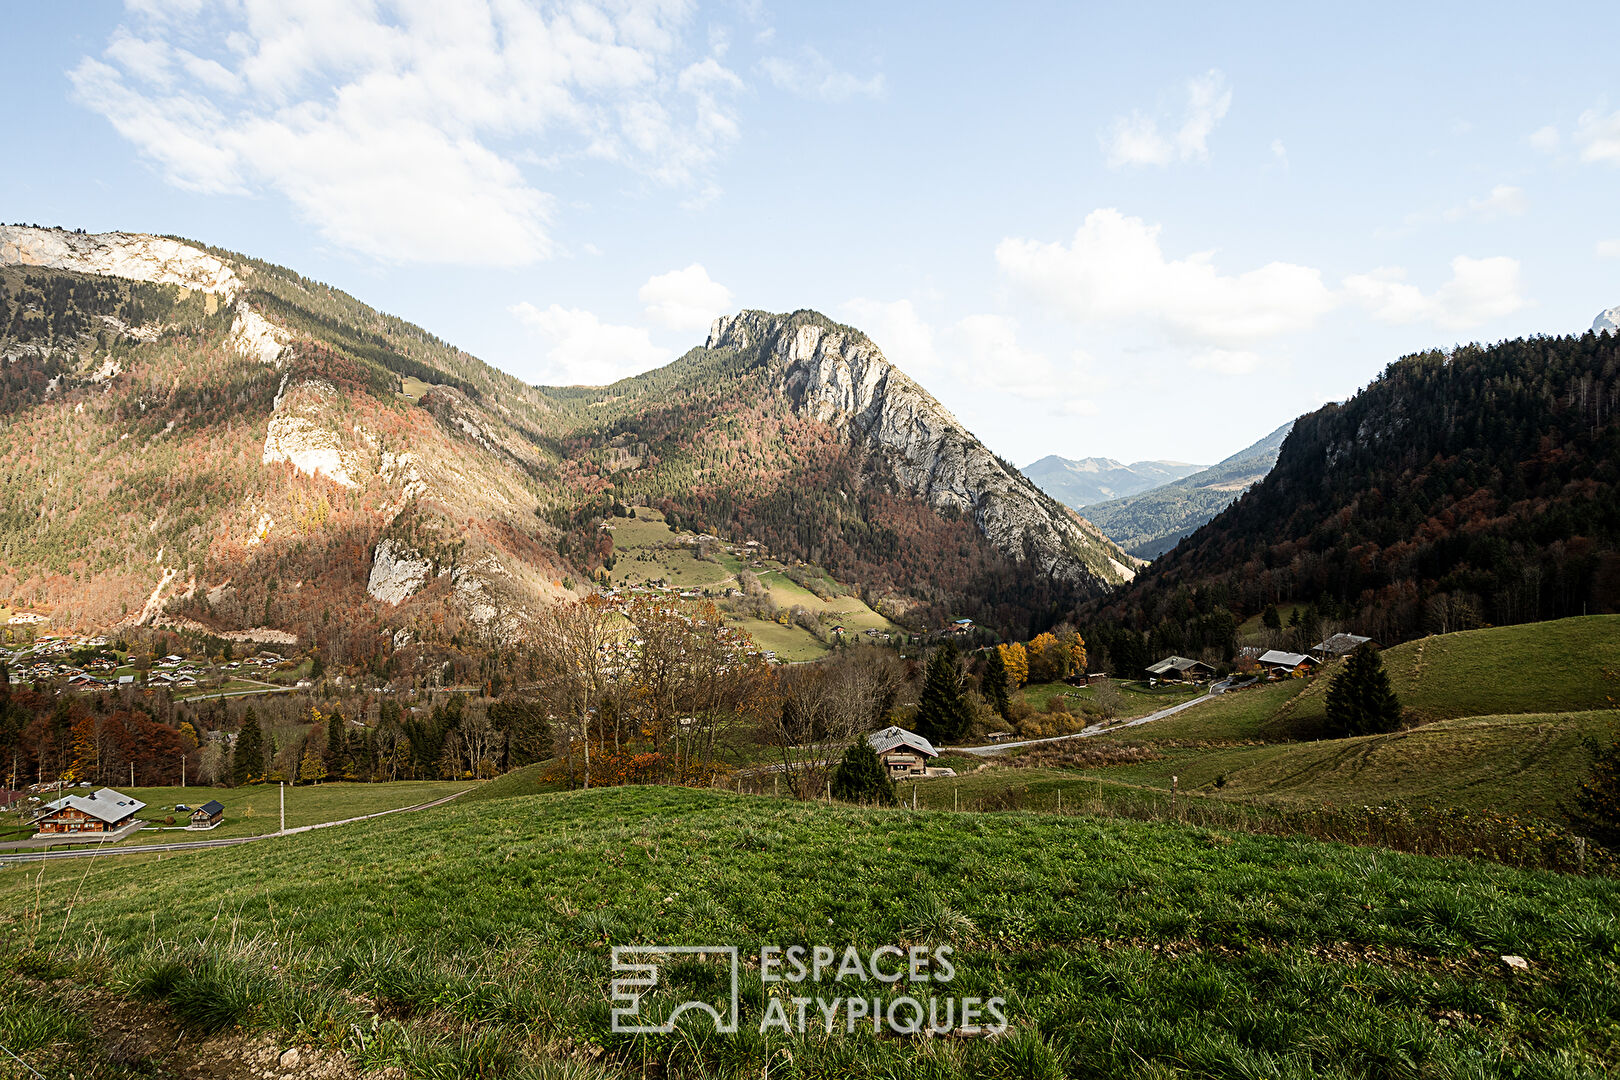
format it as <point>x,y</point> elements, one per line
<point>474,940</point>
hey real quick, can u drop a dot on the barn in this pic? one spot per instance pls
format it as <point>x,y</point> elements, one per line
<point>102,811</point>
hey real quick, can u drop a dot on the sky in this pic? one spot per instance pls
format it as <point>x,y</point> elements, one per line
<point>1132,231</point>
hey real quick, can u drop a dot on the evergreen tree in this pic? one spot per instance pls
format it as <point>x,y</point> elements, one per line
<point>944,713</point>
<point>1360,700</point>
<point>247,762</point>
<point>860,777</point>
<point>336,744</point>
<point>1270,619</point>
<point>994,683</point>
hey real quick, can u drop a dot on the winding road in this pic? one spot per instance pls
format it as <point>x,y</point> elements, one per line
<point>1085,733</point>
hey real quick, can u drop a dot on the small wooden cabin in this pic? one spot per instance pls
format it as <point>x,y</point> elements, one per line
<point>207,815</point>
<point>904,753</point>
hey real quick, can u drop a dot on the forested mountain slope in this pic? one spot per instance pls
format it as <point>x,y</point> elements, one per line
<point>1151,523</point>
<point>198,437</point>
<point>1477,486</point>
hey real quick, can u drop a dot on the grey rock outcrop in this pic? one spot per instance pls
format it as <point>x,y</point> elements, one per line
<point>396,572</point>
<point>837,376</point>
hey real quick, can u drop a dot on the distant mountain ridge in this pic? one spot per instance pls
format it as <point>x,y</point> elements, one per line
<point>249,449</point>
<point>1084,481</point>
<point>1151,523</point>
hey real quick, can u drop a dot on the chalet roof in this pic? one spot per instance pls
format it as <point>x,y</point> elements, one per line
<point>1339,644</point>
<point>1176,663</point>
<point>892,737</point>
<point>104,805</point>
<point>1285,659</point>
<point>211,807</point>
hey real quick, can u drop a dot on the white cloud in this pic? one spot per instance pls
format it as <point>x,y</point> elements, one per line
<point>684,299</point>
<point>904,336</point>
<point>811,75</point>
<point>1115,272</point>
<point>1504,200</point>
<point>1479,291</point>
<point>1279,153</point>
<point>1546,140</point>
<point>398,129</point>
<point>1137,140</point>
<point>1608,249</point>
<point>584,350</point>
<point>1597,133</point>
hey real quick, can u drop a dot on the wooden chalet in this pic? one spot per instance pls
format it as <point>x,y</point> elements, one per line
<point>207,815</point>
<point>1341,644</point>
<point>1286,664</point>
<point>1180,669</point>
<point>103,811</point>
<point>904,753</point>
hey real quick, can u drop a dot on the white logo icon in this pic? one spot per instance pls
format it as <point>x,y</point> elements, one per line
<point>638,967</point>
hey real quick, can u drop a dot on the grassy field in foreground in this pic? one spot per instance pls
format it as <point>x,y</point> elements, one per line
<point>255,810</point>
<point>473,940</point>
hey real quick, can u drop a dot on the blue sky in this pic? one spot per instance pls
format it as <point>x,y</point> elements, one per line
<point>1089,230</point>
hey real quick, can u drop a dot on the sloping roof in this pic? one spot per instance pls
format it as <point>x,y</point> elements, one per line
<point>1285,659</point>
<point>1339,644</point>
<point>891,737</point>
<point>105,805</point>
<point>1176,663</point>
<point>211,807</point>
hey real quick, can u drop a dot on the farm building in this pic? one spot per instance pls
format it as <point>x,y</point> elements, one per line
<point>1180,669</point>
<point>903,753</point>
<point>1341,644</point>
<point>100,812</point>
<point>1285,664</point>
<point>207,815</point>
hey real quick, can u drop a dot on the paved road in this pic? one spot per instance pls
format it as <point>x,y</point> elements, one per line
<point>193,845</point>
<point>1085,733</point>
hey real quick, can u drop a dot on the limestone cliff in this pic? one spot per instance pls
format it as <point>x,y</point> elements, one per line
<point>839,377</point>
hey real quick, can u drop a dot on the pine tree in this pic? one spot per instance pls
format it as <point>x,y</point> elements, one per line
<point>944,713</point>
<point>247,762</point>
<point>860,777</point>
<point>994,683</point>
<point>336,744</point>
<point>1270,619</point>
<point>1360,700</point>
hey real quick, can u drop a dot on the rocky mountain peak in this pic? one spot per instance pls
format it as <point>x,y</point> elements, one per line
<point>1607,320</point>
<point>836,375</point>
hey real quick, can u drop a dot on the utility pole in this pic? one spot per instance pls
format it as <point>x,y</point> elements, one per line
<point>283,787</point>
<point>132,774</point>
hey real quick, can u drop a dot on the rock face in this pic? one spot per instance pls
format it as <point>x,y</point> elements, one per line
<point>126,255</point>
<point>396,572</point>
<point>300,433</point>
<point>1607,320</point>
<point>140,257</point>
<point>838,377</point>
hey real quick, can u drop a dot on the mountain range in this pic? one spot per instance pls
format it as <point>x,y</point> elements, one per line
<point>198,438</point>
<point>1152,522</point>
<point>1081,482</point>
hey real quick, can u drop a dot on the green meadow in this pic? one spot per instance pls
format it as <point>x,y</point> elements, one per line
<point>473,940</point>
